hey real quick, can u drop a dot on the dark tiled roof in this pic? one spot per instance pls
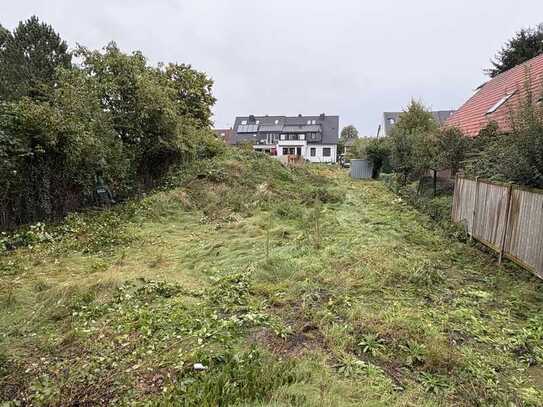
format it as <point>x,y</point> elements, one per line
<point>328,126</point>
<point>509,88</point>
<point>441,117</point>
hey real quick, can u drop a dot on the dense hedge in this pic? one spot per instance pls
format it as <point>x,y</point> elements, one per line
<point>111,114</point>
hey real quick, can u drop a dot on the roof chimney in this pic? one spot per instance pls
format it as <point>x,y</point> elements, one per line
<point>322,116</point>
<point>299,115</point>
<point>252,118</point>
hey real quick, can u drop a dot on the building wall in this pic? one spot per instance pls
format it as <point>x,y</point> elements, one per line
<point>306,152</point>
<point>319,157</point>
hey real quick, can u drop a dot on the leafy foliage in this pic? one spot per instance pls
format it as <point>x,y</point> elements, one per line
<point>413,142</point>
<point>111,114</point>
<point>514,156</point>
<point>525,45</point>
<point>378,152</point>
<point>348,133</point>
<point>452,148</point>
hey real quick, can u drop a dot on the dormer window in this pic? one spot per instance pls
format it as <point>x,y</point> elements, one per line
<point>313,122</point>
<point>309,122</point>
<point>500,102</point>
<point>391,121</point>
<point>244,122</point>
<point>277,122</point>
<point>258,122</point>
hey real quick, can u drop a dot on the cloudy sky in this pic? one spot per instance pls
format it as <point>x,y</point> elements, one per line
<point>352,58</point>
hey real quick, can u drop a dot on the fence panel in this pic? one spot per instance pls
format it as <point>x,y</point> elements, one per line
<point>464,202</point>
<point>507,219</point>
<point>491,213</point>
<point>524,242</point>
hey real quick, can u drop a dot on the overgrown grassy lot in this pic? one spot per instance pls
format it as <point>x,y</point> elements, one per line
<point>291,287</point>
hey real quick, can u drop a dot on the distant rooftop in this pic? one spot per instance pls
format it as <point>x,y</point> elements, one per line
<point>327,126</point>
<point>391,118</point>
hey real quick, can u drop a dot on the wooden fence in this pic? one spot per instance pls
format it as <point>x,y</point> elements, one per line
<point>507,218</point>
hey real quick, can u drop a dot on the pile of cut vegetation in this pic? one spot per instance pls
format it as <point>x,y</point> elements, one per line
<point>238,182</point>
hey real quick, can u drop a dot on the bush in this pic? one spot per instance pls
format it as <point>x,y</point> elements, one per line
<point>515,156</point>
<point>111,116</point>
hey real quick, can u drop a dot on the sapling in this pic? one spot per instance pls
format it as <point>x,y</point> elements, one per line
<point>317,215</point>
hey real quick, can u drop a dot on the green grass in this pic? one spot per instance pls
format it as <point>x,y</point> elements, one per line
<point>379,307</point>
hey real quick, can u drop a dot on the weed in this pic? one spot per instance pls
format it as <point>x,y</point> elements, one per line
<point>372,344</point>
<point>416,353</point>
<point>433,383</point>
<point>426,274</point>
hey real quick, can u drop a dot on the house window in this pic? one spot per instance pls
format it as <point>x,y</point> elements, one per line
<point>326,152</point>
<point>258,122</point>
<point>313,151</point>
<point>244,122</point>
<point>314,122</point>
<point>289,151</point>
<point>283,136</point>
<point>302,136</point>
<point>391,121</point>
<point>277,122</point>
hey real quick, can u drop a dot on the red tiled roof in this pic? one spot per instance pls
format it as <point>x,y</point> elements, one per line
<point>472,116</point>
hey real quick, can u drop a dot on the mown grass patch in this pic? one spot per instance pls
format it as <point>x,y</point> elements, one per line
<point>306,289</point>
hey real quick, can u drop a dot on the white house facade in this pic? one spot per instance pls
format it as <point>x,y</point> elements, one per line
<point>312,138</point>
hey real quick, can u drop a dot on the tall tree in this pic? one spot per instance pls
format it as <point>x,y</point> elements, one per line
<point>413,142</point>
<point>4,35</point>
<point>526,44</point>
<point>193,92</point>
<point>452,149</point>
<point>29,58</point>
<point>348,133</point>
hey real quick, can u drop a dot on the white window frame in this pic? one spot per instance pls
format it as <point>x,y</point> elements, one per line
<point>500,102</point>
<point>244,122</point>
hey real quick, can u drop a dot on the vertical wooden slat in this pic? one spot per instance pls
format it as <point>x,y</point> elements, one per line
<point>505,218</point>
<point>505,223</point>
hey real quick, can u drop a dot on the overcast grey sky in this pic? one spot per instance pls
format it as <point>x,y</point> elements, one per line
<point>352,58</point>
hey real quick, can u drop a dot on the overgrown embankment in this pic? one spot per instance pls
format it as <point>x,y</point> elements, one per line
<point>290,287</point>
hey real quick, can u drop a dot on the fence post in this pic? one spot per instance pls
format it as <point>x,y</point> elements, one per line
<point>475,204</point>
<point>505,227</point>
